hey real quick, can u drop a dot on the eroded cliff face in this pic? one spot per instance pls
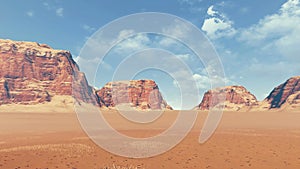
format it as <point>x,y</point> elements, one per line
<point>236,98</point>
<point>141,94</point>
<point>33,73</point>
<point>286,94</point>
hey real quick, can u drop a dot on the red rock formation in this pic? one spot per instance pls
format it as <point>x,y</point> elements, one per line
<point>286,93</point>
<point>32,73</point>
<point>142,94</point>
<point>236,97</point>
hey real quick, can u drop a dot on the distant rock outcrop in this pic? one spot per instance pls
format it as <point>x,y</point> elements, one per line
<point>284,95</point>
<point>32,73</point>
<point>140,94</point>
<point>236,98</point>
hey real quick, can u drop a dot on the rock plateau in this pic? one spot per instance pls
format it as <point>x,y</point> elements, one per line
<point>236,98</point>
<point>34,73</point>
<point>141,94</point>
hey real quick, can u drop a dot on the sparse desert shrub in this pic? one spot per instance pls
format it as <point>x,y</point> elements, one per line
<point>122,167</point>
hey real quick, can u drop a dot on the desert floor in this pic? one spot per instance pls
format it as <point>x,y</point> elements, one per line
<point>258,140</point>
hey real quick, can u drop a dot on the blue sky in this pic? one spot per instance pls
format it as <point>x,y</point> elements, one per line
<point>257,41</point>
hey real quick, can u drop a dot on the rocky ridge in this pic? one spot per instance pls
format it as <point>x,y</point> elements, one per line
<point>286,94</point>
<point>33,73</point>
<point>236,98</point>
<point>141,94</point>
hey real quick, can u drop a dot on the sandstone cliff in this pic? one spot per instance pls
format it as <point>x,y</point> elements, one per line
<point>141,94</point>
<point>32,73</point>
<point>286,95</point>
<point>236,98</point>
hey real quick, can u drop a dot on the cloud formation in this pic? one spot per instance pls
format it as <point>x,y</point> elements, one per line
<point>30,13</point>
<point>217,25</point>
<point>88,28</point>
<point>60,12</point>
<point>279,31</point>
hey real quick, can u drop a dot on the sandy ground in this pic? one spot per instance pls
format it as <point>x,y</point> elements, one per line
<point>258,140</point>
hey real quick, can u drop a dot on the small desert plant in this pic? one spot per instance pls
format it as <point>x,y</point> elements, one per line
<point>122,167</point>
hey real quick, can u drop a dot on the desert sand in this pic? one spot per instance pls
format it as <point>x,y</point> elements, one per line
<point>258,140</point>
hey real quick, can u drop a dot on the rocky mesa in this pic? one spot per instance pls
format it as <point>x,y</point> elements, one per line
<point>140,94</point>
<point>286,95</point>
<point>34,73</point>
<point>236,98</point>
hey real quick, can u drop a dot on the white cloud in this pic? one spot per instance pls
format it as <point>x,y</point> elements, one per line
<point>88,28</point>
<point>193,6</point>
<point>189,2</point>
<point>167,42</point>
<point>125,33</point>
<point>291,6</point>
<point>57,9</point>
<point>183,80</point>
<point>271,70</point>
<point>217,25</point>
<point>100,44</point>
<point>30,13</point>
<point>184,56</point>
<point>206,82</point>
<point>179,30</point>
<point>217,28</point>
<point>60,12</point>
<point>47,5</point>
<point>132,44</point>
<point>203,82</point>
<point>104,65</point>
<point>210,11</point>
<point>278,32</point>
